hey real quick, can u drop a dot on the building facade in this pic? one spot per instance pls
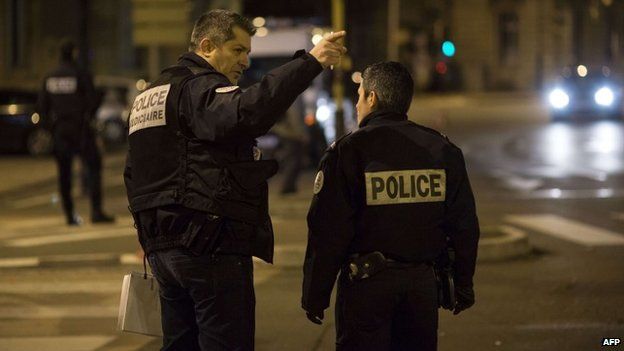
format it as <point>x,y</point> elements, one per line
<point>523,44</point>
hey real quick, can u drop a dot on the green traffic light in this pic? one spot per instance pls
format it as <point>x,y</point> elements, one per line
<point>448,48</point>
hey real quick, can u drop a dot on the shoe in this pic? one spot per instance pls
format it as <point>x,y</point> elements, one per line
<point>74,220</point>
<point>102,218</point>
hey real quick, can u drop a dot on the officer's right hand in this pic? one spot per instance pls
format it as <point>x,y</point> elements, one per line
<point>316,318</point>
<point>464,298</point>
<point>328,51</point>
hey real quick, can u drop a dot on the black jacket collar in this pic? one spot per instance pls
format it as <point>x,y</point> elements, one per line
<point>382,117</point>
<point>192,59</point>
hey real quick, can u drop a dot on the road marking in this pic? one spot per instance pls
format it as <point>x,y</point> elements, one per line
<point>56,343</point>
<point>19,262</point>
<point>65,287</point>
<point>264,273</point>
<point>24,227</point>
<point>565,326</point>
<point>36,200</point>
<point>72,237</point>
<point>556,193</point>
<point>514,181</point>
<point>64,312</point>
<point>618,215</point>
<point>568,229</point>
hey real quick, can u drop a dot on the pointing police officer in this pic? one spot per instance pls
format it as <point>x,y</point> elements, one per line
<point>386,198</point>
<point>67,100</point>
<point>196,182</point>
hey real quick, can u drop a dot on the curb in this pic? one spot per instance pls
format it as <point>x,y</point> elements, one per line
<point>512,243</point>
<point>509,243</point>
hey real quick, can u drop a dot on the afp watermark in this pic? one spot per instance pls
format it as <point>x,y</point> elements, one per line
<point>611,341</point>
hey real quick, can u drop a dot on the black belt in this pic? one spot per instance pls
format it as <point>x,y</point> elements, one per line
<point>390,263</point>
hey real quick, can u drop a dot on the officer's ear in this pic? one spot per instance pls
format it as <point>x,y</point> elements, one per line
<point>372,100</point>
<point>207,47</point>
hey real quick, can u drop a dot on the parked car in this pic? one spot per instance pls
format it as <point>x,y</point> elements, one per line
<point>115,94</point>
<point>21,128</point>
<point>583,92</point>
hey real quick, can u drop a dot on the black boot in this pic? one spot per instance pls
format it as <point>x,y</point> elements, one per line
<point>101,217</point>
<point>74,220</point>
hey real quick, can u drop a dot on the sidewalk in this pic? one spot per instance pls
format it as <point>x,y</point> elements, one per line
<point>24,171</point>
<point>440,111</point>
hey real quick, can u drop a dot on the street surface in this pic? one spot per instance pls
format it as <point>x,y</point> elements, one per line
<point>561,183</point>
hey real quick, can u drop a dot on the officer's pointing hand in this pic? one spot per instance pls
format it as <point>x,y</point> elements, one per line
<point>316,318</point>
<point>328,51</point>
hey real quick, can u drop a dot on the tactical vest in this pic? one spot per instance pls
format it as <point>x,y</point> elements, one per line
<point>170,166</point>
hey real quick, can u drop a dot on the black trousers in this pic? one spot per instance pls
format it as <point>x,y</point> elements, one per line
<point>291,163</point>
<point>207,302</point>
<point>68,144</point>
<point>396,309</point>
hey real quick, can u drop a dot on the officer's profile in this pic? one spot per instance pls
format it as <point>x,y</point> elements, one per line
<point>390,201</point>
<point>197,183</point>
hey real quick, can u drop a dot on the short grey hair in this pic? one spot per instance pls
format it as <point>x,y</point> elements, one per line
<point>392,83</point>
<point>217,26</point>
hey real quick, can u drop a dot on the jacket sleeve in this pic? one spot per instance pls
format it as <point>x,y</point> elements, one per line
<point>461,224</point>
<point>127,174</point>
<point>89,95</point>
<point>331,229</point>
<point>43,105</point>
<point>216,114</point>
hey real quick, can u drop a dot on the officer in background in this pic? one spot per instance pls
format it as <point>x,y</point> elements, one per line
<point>293,138</point>
<point>197,185</point>
<point>386,197</point>
<point>67,99</point>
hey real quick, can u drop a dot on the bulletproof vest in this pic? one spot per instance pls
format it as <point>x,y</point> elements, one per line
<point>68,100</point>
<point>169,165</point>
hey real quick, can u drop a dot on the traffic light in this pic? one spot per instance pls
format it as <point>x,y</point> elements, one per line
<point>448,48</point>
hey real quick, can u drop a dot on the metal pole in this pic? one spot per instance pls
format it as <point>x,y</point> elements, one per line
<point>393,29</point>
<point>338,23</point>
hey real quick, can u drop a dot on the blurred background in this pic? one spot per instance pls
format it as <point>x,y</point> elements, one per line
<point>531,90</point>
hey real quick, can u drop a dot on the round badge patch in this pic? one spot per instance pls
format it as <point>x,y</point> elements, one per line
<point>318,182</point>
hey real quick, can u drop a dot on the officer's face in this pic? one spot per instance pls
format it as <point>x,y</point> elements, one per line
<point>364,105</point>
<point>232,58</point>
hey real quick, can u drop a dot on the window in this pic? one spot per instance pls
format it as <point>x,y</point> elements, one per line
<point>508,28</point>
<point>15,22</point>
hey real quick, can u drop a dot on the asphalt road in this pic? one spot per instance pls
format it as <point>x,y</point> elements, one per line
<point>561,183</point>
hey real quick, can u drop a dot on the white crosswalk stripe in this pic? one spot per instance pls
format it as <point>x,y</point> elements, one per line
<point>568,229</point>
<point>56,343</point>
<point>71,237</point>
<point>31,302</point>
<point>27,227</point>
<point>65,312</point>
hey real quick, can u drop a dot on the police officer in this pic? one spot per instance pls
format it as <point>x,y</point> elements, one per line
<point>67,100</point>
<point>386,197</point>
<point>197,184</point>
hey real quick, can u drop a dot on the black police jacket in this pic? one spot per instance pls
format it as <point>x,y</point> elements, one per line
<point>191,144</point>
<point>66,100</point>
<point>391,186</point>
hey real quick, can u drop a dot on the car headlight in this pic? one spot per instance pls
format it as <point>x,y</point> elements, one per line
<point>604,96</point>
<point>323,113</point>
<point>558,98</point>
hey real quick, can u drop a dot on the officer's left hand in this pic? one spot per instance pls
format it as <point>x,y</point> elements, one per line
<point>464,298</point>
<point>316,318</point>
